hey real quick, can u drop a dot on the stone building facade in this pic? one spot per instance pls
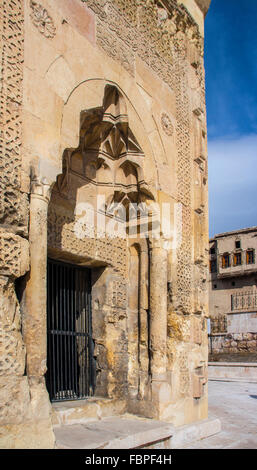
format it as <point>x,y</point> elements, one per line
<point>103,105</point>
<point>233,294</point>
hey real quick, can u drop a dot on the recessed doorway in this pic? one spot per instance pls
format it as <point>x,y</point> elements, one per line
<point>70,346</point>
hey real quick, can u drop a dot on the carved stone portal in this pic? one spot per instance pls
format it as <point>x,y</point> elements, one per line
<point>108,163</point>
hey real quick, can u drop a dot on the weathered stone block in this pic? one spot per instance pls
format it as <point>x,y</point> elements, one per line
<point>252,345</point>
<point>14,254</point>
<point>12,350</point>
<point>242,345</point>
<point>28,435</point>
<point>92,97</point>
<point>14,400</point>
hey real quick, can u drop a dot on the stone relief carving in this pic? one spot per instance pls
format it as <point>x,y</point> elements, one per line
<point>12,351</point>
<point>167,124</point>
<point>108,152</point>
<point>144,28</point>
<point>168,40</point>
<point>42,20</point>
<point>14,254</point>
<point>61,236</point>
<point>12,24</point>
<point>116,145</point>
<point>184,374</point>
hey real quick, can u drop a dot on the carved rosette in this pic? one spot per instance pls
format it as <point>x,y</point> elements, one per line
<point>42,20</point>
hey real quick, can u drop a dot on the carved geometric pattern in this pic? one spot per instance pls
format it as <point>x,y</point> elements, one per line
<point>120,294</point>
<point>167,39</point>
<point>10,253</point>
<point>167,124</point>
<point>108,153</point>
<point>106,130</point>
<point>14,254</point>
<point>184,169</point>
<point>12,353</point>
<point>62,236</point>
<point>11,14</point>
<point>184,382</point>
<point>126,28</point>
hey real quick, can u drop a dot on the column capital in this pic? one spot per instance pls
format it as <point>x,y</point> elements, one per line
<point>157,243</point>
<point>40,187</point>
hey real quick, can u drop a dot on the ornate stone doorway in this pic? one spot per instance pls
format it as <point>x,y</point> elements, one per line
<point>70,346</point>
<point>101,216</point>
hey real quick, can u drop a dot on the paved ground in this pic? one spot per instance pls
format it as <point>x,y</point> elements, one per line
<point>114,432</point>
<point>235,404</point>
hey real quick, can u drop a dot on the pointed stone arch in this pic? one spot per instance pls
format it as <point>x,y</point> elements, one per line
<point>108,161</point>
<point>108,153</point>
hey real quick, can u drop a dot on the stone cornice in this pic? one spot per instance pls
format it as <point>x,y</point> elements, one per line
<point>203,5</point>
<point>175,9</point>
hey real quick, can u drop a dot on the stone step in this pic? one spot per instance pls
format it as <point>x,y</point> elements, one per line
<point>238,371</point>
<point>123,432</point>
<point>131,432</point>
<point>84,411</point>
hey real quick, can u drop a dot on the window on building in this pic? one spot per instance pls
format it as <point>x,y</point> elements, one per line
<point>213,266</point>
<point>237,259</point>
<point>250,257</point>
<point>238,244</point>
<point>212,250</point>
<point>225,261</point>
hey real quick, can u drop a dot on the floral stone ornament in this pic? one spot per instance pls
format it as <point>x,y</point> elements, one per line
<point>166,124</point>
<point>42,20</point>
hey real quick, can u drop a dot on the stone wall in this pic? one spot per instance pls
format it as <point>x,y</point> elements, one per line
<point>25,408</point>
<point>234,344</point>
<point>233,336</point>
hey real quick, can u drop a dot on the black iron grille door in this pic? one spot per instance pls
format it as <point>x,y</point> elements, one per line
<point>70,362</point>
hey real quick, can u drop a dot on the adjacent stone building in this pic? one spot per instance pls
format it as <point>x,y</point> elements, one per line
<point>102,115</point>
<point>233,294</point>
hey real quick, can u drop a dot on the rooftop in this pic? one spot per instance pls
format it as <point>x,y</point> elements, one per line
<point>234,232</point>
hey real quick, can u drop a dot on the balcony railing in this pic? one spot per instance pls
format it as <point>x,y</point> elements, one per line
<point>219,325</point>
<point>244,301</point>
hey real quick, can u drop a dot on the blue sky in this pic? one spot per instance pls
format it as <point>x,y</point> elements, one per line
<point>231,98</point>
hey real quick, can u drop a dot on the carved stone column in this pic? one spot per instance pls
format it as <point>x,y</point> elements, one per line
<point>158,310</point>
<point>143,339</point>
<point>35,316</point>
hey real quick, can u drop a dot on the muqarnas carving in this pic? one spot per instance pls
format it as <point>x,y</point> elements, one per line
<point>108,154</point>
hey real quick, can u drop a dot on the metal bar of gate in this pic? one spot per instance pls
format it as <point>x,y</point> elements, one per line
<point>70,346</point>
<point>74,345</point>
<point>72,329</point>
<point>83,346</point>
<point>85,331</point>
<point>52,339</point>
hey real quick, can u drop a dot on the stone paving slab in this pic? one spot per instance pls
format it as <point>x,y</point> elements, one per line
<point>115,433</point>
<point>235,404</point>
<point>130,431</point>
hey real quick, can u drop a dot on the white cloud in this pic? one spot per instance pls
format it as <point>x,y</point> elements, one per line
<point>232,183</point>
